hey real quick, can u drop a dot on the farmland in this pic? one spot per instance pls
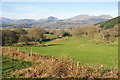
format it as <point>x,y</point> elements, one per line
<point>62,67</point>
<point>87,51</point>
<point>80,49</point>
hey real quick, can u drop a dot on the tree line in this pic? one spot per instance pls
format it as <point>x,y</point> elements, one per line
<point>36,34</point>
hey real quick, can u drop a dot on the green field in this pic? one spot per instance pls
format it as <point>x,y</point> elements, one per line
<point>9,64</point>
<point>82,50</point>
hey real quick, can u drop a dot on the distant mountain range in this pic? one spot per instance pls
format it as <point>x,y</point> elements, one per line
<point>53,22</point>
<point>87,17</point>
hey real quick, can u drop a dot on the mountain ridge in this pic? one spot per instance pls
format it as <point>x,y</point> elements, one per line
<point>54,22</point>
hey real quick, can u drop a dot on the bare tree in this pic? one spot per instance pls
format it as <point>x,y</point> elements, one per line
<point>60,32</point>
<point>36,34</point>
<point>20,31</point>
<point>24,38</point>
<point>9,37</point>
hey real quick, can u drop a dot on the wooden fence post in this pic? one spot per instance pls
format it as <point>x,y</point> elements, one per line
<point>77,64</point>
<point>9,49</point>
<point>31,51</point>
<point>18,50</point>
<point>52,59</point>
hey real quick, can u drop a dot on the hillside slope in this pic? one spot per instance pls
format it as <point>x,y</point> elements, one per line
<point>109,23</point>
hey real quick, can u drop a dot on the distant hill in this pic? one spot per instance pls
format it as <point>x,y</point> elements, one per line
<point>53,22</point>
<point>109,23</point>
<point>6,21</point>
<point>51,18</point>
<point>87,17</point>
<point>22,21</point>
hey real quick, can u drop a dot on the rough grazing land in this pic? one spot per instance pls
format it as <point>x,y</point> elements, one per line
<point>80,49</point>
<point>52,67</point>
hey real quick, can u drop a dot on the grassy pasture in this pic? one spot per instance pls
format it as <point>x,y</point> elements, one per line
<point>82,50</point>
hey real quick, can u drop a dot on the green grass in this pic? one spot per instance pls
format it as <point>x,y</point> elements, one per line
<point>80,49</point>
<point>9,64</point>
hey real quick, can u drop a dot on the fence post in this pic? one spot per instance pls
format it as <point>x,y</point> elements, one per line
<point>77,64</point>
<point>52,59</point>
<point>9,49</point>
<point>31,51</point>
<point>18,50</point>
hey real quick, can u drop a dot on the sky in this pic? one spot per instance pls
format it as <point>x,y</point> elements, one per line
<point>59,0</point>
<point>61,10</point>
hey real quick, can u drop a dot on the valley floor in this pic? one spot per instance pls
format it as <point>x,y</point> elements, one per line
<point>80,49</point>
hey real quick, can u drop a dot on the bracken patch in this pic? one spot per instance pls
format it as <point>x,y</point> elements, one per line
<point>50,67</point>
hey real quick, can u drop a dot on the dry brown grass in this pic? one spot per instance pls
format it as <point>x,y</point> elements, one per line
<point>56,40</point>
<point>62,68</point>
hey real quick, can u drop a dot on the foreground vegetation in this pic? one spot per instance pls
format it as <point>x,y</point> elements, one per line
<point>57,68</point>
<point>10,64</point>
